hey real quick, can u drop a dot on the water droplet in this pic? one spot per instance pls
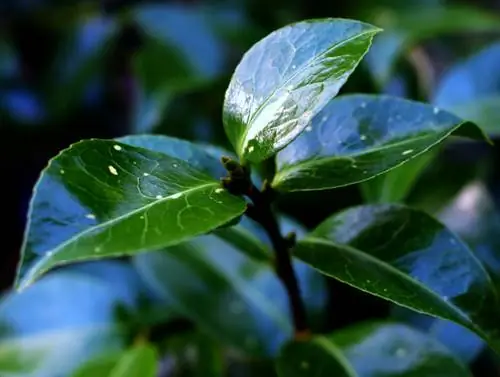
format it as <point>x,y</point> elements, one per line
<point>141,217</point>
<point>363,104</point>
<point>453,241</point>
<point>354,166</point>
<point>219,190</point>
<point>61,171</point>
<point>117,147</point>
<point>90,216</point>
<point>250,149</point>
<point>309,129</point>
<point>304,365</point>
<point>401,352</point>
<point>112,170</point>
<point>176,196</point>
<point>362,137</point>
<point>175,165</point>
<point>368,281</point>
<point>97,249</point>
<point>324,118</point>
<point>436,111</point>
<point>294,66</point>
<point>445,298</point>
<point>365,171</point>
<point>159,197</point>
<point>408,151</point>
<point>145,174</point>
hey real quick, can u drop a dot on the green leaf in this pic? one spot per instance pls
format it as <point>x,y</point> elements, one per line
<point>408,28</point>
<point>60,322</point>
<point>101,198</point>
<point>395,185</point>
<point>405,256</point>
<point>101,366</point>
<point>232,298</point>
<point>371,350</point>
<point>142,360</point>
<point>357,137</point>
<point>485,112</point>
<point>286,78</point>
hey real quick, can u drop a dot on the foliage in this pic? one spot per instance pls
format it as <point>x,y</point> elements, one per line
<point>183,257</point>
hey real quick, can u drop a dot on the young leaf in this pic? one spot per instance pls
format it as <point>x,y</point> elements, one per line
<point>405,256</point>
<point>60,322</point>
<point>101,366</point>
<point>142,360</point>
<point>286,78</point>
<point>357,137</point>
<point>232,298</point>
<point>102,198</point>
<point>371,350</point>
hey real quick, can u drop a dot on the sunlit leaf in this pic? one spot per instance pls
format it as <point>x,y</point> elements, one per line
<point>286,78</point>
<point>141,360</point>
<point>102,198</point>
<point>357,137</point>
<point>405,256</point>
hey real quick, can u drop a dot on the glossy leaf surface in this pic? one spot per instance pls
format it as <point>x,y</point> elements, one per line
<point>57,324</point>
<point>142,360</point>
<point>357,137</point>
<point>390,349</point>
<point>407,257</point>
<point>101,198</point>
<point>286,78</point>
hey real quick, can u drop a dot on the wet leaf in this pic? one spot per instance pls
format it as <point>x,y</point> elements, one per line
<point>358,137</point>
<point>286,78</point>
<point>101,198</point>
<point>405,256</point>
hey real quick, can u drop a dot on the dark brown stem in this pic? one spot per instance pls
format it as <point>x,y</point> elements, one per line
<point>261,212</point>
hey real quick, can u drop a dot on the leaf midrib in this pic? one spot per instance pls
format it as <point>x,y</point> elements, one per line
<point>293,76</point>
<point>332,349</point>
<point>322,160</point>
<point>49,253</point>
<point>349,249</point>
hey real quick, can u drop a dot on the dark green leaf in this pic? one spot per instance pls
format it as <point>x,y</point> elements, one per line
<point>357,137</point>
<point>59,323</point>
<point>286,78</point>
<point>142,360</point>
<point>405,256</point>
<point>386,350</point>
<point>318,357</point>
<point>408,28</point>
<point>102,198</point>
<point>395,185</point>
<point>231,297</point>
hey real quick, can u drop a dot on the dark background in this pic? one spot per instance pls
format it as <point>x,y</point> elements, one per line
<point>55,90</point>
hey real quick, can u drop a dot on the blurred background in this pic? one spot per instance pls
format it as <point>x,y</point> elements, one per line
<point>71,70</point>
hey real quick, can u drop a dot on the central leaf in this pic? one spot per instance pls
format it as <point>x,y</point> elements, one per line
<point>102,198</point>
<point>286,78</point>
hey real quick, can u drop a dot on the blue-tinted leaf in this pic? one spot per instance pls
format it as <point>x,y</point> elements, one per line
<point>470,93</point>
<point>9,62</point>
<point>22,105</point>
<point>357,137</point>
<point>405,256</point>
<point>57,324</point>
<point>286,78</point>
<point>405,29</point>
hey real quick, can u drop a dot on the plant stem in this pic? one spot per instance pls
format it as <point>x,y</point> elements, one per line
<point>262,213</point>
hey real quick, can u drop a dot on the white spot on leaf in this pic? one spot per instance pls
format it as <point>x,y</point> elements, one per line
<point>175,165</point>
<point>408,151</point>
<point>401,352</point>
<point>159,197</point>
<point>112,170</point>
<point>362,137</point>
<point>363,104</point>
<point>436,111</point>
<point>145,174</point>
<point>97,249</point>
<point>309,129</point>
<point>219,190</point>
<point>90,216</point>
<point>176,196</point>
<point>250,149</point>
<point>61,171</point>
<point>117,147</point>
